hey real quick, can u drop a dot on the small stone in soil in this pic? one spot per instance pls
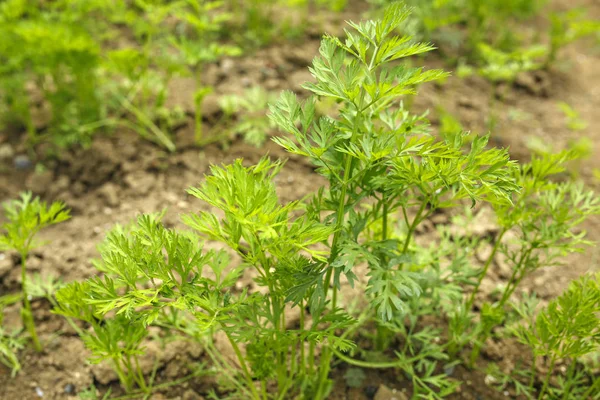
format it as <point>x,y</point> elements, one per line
<point>6,152</point>
<point>39,392</point>
<point>22,162</point>
<point>69,388</point>
<point>191,395</point>
<point>385,393</point>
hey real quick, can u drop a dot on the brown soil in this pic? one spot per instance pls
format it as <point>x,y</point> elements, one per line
<point>121,176</point>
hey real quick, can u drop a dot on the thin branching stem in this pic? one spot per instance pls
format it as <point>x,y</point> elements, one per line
<point>484,271</point>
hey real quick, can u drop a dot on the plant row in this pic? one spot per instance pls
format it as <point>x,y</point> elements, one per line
<point>345,258</point>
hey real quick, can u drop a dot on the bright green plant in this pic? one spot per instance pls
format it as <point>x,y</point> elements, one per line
<point>574,120</point>
<point>380,162</point>
<point>267,20</point>
<point>376,153</point>
<point>567,329</point>
<point>499,66</point>
<point>26,217</point>
<point>545,217</point>
<point>62,60</point>
<point>568,27</point>
<point>10,342</point>
<point>489,22</point>
<point>117,340</point>
<point>246,115</point>
<point>579,151</point>
<point>199,45</point>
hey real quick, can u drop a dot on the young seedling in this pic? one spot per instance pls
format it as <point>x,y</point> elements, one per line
<point>574,120</point>
<point>566,28</point>
<point>10,342</point>
<point>545,216</point>
<point>62,60</point>
<point>26,217</point>
<point>117,339</point>
<point>203,25</point>
<point>567,329</point>
<point>245,114</point>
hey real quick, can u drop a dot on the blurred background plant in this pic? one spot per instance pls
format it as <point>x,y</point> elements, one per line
<point>71,68</point>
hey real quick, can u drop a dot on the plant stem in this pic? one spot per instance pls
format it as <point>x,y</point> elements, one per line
<point>140,375</point>
<point>245,369</point>
<point>326,354</point>
<point>569,379</point>
<point>302,351</point>
<point>547,380</point>
<point>594,388</point>
<point>339,223</point>
<point>532,371</point>
<point>516,277</point>
<point>122,377</point>
<point>485,269</point>
<point>145,120</point>
<point>413,226</point>
<point>26,313</point>
<point>514,281</point>
<point>384,217</point>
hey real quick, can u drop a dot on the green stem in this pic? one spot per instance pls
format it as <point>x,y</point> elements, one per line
<point>311,357</point>
<point>379,365</point>
<point>245,369</point>
<point>122,377</point>
<point>413,226</point>
<point>140,376</point>
<point>263,389</point>
<point>384,217</point>
<point>302,350</point>
<point>145,120</point>
<point>532,372</point>
<point>326,354</point>
<point>26,313</point>
<point>547,379</point>
<point>485,269</point>
<point>339,219</point>
<point>594,388</point>
<point>513,282</point>
<point>569,379</point>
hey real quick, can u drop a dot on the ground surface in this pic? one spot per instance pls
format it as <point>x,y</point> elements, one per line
<point>122,176</point>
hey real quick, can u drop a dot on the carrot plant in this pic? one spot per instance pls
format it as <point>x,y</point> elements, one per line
<point>62,60</point>
<point>26,217</point>
<point>545,216</point>
<point>485,32</point>
<point>245,115</point>
<point>199,46</point>
<point>378,157</point>
<point>117,340</point>
<point>568,27</point>
<point>567,329</point>
<point>10,342</point>
<point>385,174</point>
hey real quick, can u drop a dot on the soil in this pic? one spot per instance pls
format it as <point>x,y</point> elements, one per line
<point>121,175</point>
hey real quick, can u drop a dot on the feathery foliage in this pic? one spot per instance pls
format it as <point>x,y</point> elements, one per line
<point>26,217</point>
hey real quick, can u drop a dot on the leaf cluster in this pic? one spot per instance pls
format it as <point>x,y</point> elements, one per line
<point>26,217</point>
<point>373,150</point>
<point>568,327</point>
